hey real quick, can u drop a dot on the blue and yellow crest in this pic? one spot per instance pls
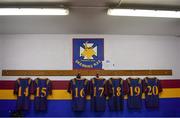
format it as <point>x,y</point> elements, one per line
<point>88,53</point>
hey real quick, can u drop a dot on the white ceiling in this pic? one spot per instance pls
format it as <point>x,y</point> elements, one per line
<point>89,17</point>
<point>102,2</point>
<point>95,2</point>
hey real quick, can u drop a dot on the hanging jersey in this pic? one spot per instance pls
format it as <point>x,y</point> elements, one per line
<point>98,92</point>
<point>134,92</point>
<point>79,90</point>
<point>115,94</point>
<point>42,88</point>
<point>152,88</point>
<point>23,88</point>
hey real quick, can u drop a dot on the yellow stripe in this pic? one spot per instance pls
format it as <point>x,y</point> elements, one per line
<point>63,95</point>
<point>170,93</point>
<point>7,95</point>
<point>60,95</point>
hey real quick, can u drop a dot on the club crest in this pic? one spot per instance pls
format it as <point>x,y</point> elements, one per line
<point>88,53</point>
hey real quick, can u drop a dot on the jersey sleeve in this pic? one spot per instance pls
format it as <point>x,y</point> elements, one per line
<point>69,87</point>
<point>87,92</point>
<point>126,87</point>
<point>34,85</point>
<point>109,89</point>
<point>105,88</point>
<point>91,87</point>
<point>50,87</point>
<point>16,86</point>
<point>31,86</point>
<point>144,86</point>
<point>160,86</point>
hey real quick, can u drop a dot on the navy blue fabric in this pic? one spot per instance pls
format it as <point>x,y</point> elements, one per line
<point>42,88</point>
<point>98,95</point>
<point>134,99</point>
<point>115,101</point>
<point>22,89</point>
<point>78,97</point>
<point>152,93</point>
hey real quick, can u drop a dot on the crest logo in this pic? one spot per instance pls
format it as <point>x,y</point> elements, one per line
<point>88,53</point>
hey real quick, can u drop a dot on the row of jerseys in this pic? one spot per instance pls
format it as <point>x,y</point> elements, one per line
<point>40,88</point>
<point>113,90</point>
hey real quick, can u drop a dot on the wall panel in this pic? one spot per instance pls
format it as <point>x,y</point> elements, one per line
<point>54,52</point>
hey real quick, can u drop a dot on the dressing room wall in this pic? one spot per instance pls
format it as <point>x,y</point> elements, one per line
<point>45,51</point>
<point>54,51</point>
<point>1,52</point>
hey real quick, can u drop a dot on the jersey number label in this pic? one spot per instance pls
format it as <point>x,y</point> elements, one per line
<point>118,91</point>
<point>100,89</point>
<point>135,91</point>
<point>152,90</point>
<point>25,93</point>
<point>41,92</point>
<point>81,92</point>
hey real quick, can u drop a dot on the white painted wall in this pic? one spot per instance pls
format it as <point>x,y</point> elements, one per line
<point>25,51</point>
<point>1,55</point>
